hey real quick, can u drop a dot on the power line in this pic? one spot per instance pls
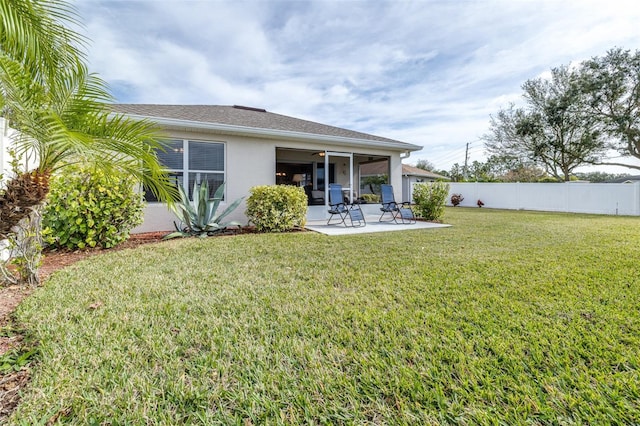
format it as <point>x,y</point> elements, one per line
<point>468,151</point>
<point>448,156</point>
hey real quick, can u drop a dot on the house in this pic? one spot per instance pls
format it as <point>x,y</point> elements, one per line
<point>246,146</point>
<point>625,179</point>
<point>410,175</point>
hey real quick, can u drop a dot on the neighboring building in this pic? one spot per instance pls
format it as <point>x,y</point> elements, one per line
<point>410,175</point>
<point>626,179</point>
<point>245,147</point>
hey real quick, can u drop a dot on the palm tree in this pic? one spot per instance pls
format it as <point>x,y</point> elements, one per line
<point>61,111</point>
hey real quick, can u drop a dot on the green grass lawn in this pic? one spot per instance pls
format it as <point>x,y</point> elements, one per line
<point>504,318</point>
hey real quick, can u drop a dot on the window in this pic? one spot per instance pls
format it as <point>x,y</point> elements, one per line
<point>198,161</point>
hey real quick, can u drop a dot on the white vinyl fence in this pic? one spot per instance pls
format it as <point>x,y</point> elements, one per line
<point>574,197</point>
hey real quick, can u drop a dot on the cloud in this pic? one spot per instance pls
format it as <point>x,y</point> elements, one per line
<point>426,72</point>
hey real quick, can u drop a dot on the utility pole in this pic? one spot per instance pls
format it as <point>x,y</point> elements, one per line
<point>466,161</point>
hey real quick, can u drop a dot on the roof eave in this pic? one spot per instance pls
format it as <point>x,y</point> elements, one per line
<point>273,133</point>
<point>425,176</point>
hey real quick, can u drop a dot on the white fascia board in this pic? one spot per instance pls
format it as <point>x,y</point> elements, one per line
<point>273,133</point>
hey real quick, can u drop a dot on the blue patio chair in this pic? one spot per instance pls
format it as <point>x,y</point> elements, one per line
<point>338,206</point>
<point>397,211</point>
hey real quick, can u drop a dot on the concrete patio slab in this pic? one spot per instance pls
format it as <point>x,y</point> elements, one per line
<point>372,226</point>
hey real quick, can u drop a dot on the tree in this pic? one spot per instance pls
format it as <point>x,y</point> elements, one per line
<point>524,173</point>
<point>600,176</point>
<point>374,182</point>
<point>456,173</point>
<point>481,172</point>
<point>507,169</point>
<point>500,165</point>
<point>61,112</point>
<point>552,130</point>
<point>612,86</point>
<point>425,165</point>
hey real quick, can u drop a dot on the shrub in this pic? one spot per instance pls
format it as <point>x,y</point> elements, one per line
<point>456,199</point>
<point>374,182</point>
<point>371,198</point>
<point>549,179</point>
<point>200,217</point>
<point>430,199</point>
<point>277,208</point>
<point>88,208</point>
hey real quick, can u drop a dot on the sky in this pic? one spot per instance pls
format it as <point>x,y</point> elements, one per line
<point>425,72</point>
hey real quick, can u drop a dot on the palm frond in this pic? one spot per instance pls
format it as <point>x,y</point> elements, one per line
<point>61,110</point>
<point>37,33</point>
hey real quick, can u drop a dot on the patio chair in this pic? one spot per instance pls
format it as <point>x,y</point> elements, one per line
<point>314,197</point>
<point>397,211</point>
<point>337,206</point>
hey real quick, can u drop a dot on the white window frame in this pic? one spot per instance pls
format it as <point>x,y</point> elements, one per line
<point>185,163</point>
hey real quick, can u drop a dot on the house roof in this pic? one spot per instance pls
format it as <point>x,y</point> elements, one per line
<point>625,179</point>
<point>253,121</point>
<point>381,167</point>
<point>416,171</point>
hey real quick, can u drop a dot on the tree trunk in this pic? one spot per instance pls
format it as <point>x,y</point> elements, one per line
<point>28,250</point>
<point>21,194</point>
<point>20,214</point>
<point>25,251</point>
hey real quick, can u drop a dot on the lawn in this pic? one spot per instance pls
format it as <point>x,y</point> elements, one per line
<point>504,318</point>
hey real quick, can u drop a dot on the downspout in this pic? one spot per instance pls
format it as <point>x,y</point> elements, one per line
<point>405,154</point>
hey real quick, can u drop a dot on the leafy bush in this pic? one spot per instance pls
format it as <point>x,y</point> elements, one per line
<point>371,198</point>
<point>456,199</point>
<point>277,208</point>
<point>549,179</point>
<point>374,182</point>
<point>199,217</point>
<point>430,199</point>
<point>88,208</point>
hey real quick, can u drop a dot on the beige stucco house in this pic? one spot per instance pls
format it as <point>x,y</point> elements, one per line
<point>245,147</point>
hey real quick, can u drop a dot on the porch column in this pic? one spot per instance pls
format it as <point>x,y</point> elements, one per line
<point>395,175</point>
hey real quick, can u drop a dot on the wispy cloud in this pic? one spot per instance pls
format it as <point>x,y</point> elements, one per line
<point>425,72</point>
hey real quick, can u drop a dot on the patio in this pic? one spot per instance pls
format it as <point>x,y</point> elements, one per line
<point>372,226</point>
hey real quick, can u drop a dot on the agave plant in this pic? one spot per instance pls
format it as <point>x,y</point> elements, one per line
<point>199,217</point>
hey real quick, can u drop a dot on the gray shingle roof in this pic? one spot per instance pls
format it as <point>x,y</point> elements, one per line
<point>381,167</point>
<point>244,117</point>
<point>635,178</point>
<point>415,171</point>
